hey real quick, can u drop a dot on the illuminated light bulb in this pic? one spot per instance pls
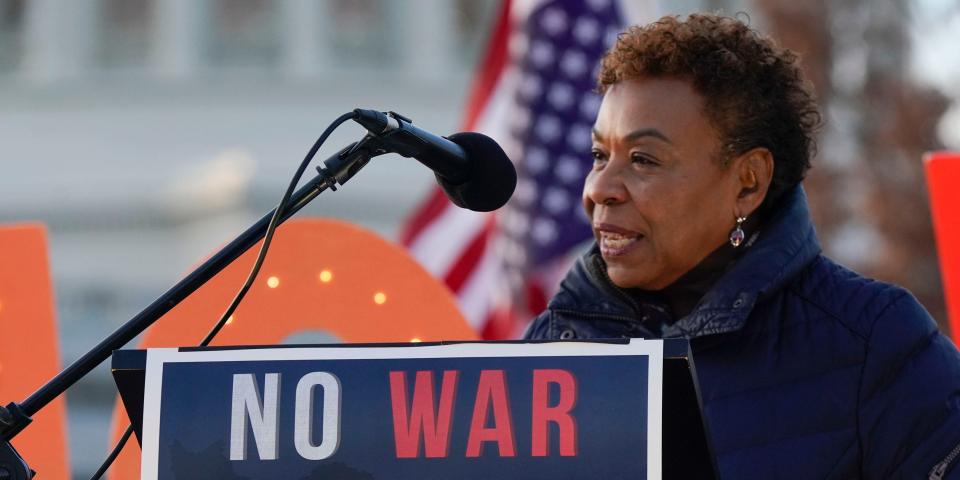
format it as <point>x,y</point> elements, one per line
<point>230,320</point>
<point>379,298</point>
<point>273,282</point>
<point>326,276</point>
<point>415,340</point>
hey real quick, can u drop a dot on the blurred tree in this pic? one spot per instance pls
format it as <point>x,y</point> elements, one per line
<point>867,189</point>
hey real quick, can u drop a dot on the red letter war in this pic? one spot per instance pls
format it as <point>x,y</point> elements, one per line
<point>491,388</point>
<point>435,426</point>
<point>422,417</point>
<point>559,413</point>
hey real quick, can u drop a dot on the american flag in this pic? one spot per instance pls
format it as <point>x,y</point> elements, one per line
<point>534,94</point>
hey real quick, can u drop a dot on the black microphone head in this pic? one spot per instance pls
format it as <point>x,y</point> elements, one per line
<point>491,178</point>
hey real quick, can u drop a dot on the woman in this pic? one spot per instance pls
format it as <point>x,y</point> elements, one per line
<point>806,369</point>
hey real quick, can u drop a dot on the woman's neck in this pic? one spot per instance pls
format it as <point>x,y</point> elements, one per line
<point>683,295</point>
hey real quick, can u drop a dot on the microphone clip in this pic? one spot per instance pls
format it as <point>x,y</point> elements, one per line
<point>341,167</point>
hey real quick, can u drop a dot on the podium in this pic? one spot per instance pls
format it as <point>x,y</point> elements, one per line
<point>583,409</point>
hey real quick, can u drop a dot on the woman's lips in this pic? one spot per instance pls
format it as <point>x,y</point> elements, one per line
<point>615,241</point>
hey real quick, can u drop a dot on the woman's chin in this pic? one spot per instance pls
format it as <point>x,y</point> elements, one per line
<point>624,277</point>
<point>629,275</point>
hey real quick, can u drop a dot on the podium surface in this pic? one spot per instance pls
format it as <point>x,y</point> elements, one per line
<point>464,410</point>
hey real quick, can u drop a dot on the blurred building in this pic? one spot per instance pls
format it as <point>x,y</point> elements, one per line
<point>146,133</point>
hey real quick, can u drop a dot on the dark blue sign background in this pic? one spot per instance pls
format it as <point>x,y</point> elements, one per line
<point>610,413</point>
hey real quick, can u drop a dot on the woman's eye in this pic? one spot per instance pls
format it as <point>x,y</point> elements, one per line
<point>643,159</point>
<point>598,155</point>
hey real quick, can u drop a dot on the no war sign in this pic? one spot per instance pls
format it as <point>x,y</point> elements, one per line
<point>473,410</point>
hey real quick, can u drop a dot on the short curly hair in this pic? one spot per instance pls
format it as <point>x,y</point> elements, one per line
<point>755,93</point>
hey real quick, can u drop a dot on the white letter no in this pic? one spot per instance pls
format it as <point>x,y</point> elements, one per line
<point>303,420</point>
<point>262,415</point>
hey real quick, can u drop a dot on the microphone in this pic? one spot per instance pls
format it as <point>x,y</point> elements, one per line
<point>470,167</point>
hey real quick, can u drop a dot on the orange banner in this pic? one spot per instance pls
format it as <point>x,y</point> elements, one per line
<point>29,353</point>
<point>943,180</point>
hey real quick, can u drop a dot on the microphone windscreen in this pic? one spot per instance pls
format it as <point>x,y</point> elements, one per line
<point>491,178</point>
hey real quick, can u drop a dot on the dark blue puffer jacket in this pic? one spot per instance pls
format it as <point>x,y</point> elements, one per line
<point>806,369</point>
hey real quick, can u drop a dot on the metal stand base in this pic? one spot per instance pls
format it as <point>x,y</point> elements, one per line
<point>12,466</point>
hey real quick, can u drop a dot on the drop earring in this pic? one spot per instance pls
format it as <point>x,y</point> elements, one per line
<point>737,235</point>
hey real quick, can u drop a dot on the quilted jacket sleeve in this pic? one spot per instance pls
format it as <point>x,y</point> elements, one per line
<point>909,412</point>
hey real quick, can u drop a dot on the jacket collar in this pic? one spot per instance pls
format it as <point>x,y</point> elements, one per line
<point>783,246</point>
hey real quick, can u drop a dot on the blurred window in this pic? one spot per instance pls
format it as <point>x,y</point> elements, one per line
<point>124,35</point>
<point>246,33</point>
<point>362,32</point>
<point>11,33</point>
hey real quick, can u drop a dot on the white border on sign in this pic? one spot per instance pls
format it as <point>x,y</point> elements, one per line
<point>150,436</point>
<point>157,357</point>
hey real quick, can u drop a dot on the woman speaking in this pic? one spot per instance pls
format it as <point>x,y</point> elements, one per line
<point>805,369</point>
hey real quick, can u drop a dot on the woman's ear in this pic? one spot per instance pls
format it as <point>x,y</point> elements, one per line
<point>755,172</point>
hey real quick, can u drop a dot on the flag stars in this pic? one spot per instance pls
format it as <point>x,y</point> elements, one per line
<point>569,169</point>
<point>580,137</point>
<point>561,96</point>
<point>530,88</point>
<point>544,231</point>
<point>556,135</point>
<point>574,64</point>
<point>556,200</point>
<point>525,193</point>
<point>536,160</point>
<point>590,105</point>
<point>542,54</point>
<point>554,21</point>
<point>599,5</point>
<point>515,222</point>
<point>548,128</point>
<point>586,30</point>
<point>547,119</point>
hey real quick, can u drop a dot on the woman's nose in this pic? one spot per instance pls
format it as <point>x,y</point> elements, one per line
<point>605,186</point>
